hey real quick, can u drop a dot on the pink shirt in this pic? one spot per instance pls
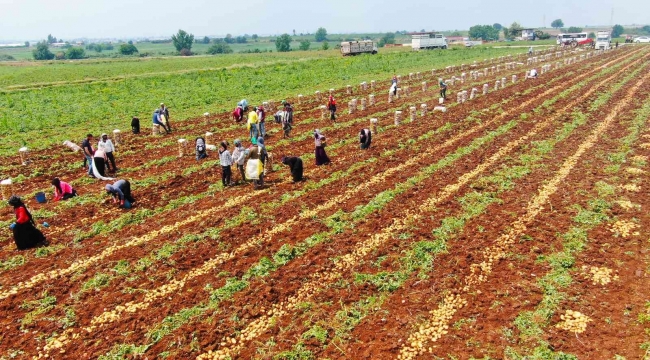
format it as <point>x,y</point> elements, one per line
<point>66,189</point>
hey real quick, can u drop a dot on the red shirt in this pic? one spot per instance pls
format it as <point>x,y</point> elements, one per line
<point>21,215</point>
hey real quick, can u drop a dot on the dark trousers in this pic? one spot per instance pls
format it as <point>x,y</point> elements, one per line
<point>242,172</point>
<point>126,190</point>
<point>67,196</point>
<point>100,164</point>
<point>333,112</point>
<point>111,158</point>
<point>226,175</point>
<point>443,93</point>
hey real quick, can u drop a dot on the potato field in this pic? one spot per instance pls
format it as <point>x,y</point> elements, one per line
<point>512,225</point>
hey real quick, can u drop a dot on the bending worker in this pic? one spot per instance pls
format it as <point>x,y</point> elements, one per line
<point>120,190</point>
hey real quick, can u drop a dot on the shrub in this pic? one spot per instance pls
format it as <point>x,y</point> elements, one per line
<point>283,43</point>
<point>75,53</point>
<point>128,49</point>
<point>186,52</point>
<point>42,51</point>
<point>304,45</point>
<point>219,48</point>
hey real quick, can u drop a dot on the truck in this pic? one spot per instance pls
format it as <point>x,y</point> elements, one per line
<point>574,39</point>
<point>428,41</point>
<point>603,40</point>
<point>358,47</point>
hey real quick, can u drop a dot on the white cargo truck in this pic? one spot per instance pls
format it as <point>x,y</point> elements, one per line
<point>358,47</point>
<point>603,40</point>
<point>428,41</point>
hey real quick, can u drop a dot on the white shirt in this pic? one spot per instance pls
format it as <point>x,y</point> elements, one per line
<point>107,146</point>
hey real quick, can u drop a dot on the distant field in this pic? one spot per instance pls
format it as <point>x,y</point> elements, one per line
<point>76,97</point>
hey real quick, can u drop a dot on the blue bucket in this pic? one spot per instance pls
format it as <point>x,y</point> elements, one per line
<point>40,197</point>
<point>127,204</point>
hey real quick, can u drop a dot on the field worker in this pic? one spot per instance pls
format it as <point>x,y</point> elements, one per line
<point>88,153</point>
<point>238,114</point>
<point>243,104</point>
<point>617,44</point>
<point>530,51</point>
<point>365,138</point>
<point>26,235</point>
<point>295,165</point>
<point>99,163</point>
<point>121,191</point>
<point>253,126</point>
<point>164,110</point>
<point>135,125</point>
<point>157,121</point>
<point>288,109</point>
<point>107,145</point>
<point>286,123</point>
<point>532,74</point>
<point>394,79</point>
<point>393,89</point>
<point>225,160</point>
<point>255,165</point>
<point>239,158</point>
<point>62,190</point>
<point>200,148</point>
<point>321,155</point>
<point>331,106</point>
<point>443,89</point>
<point>261,116</point>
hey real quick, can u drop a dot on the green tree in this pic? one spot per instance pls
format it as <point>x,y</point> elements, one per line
<point>26,43</point>
<point>485,32</point>
<point>557,23</point>
<point>283,43</point>
<point>304,45</point>
<point>220,48</point>
<point>591,35</point>
<point>497,26</point>
<point>75,53</point>
<point>321,34</point>
<point>51,39</point>
<point>206,40</point>
<point>617,30</point>
<point>42,51</point>
<point>240,39</point>
<point>183,40</point>
<point>229,39</point>
<point>574,29</point>
<point>254,37</point>
<point>128,49</point>
<point>515,29</point>
<point>388,38</point>
<point>326,46</point>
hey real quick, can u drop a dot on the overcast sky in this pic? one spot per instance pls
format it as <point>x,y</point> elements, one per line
<point>68,19</point>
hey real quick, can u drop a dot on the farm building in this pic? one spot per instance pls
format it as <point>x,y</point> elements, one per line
<point>528,34</point>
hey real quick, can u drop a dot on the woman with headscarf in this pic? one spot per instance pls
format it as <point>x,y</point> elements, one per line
<point>331,106</point>
<point>295,165</point>
<point>239,158</point>
<point>26,235</point>
<point>365,138</point>
<point>62,190</point>
<point>319,142</point>
<point>255,166</point>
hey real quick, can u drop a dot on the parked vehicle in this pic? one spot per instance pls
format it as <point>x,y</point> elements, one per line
<point>428,41</point>
<point>603,40</point>
<point>470,43</point>
<point>642,39</point>
<point>574,39</point>
<point>358,47</point>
